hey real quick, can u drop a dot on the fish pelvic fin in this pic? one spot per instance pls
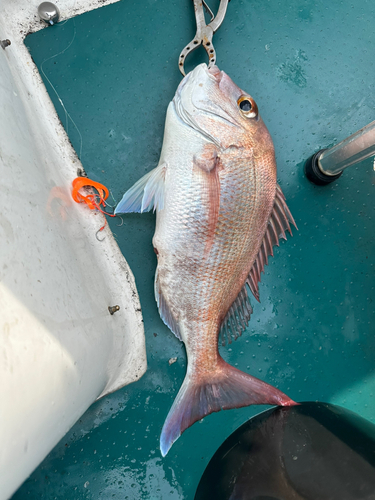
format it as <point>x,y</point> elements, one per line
<point>164,310</point>
<point>226,388</point>
<point>146,194</point>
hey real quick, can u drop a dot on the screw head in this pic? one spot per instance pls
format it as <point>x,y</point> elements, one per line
<point>49,13</point>
<point>113,309</point>
<point>4,43</point>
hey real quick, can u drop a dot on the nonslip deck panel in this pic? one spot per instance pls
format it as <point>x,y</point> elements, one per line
<point>310,68</point>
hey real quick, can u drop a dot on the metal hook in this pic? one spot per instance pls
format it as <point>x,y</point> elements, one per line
<point>122,221</point>
<point>97,232</point>
<point>204,32</point>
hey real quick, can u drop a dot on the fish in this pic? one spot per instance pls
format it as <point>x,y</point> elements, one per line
<point>219,212</point>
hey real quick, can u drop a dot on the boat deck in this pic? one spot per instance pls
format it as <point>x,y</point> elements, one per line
<point>310,67</point>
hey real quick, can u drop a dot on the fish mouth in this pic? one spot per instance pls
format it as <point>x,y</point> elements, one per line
<point>192,100</point>
<point>216,73</point>
<point>182,85</point>
<point>213,73</point>
<point>183,90</point>
<point>187,120</point>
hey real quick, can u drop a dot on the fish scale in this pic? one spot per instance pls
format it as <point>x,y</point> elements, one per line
<point>218,205</point>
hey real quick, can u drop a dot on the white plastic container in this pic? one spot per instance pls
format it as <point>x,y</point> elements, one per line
<point>60,348</point>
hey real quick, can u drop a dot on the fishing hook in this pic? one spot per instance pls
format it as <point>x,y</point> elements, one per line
<point>97,232</point>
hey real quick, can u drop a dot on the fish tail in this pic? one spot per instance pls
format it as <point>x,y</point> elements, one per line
<point>226,388</point>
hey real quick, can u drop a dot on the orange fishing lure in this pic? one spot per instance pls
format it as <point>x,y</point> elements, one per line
<point>92,200</point>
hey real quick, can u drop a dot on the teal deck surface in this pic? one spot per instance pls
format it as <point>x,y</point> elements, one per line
<point>310,67</point>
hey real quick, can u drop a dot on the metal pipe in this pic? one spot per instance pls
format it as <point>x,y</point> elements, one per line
<point>328,164</point>
<point>354,149</point>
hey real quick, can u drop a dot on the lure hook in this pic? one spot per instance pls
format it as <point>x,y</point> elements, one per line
<point>122,221</point>
<point>97,234</point>
<point>93,200</point>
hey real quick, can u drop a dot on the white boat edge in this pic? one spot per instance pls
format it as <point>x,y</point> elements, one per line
<point>60,348</point>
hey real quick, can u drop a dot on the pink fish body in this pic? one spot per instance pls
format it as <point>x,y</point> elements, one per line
<point>219,213</point>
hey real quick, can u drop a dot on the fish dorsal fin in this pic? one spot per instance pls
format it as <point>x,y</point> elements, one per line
<point>237,318</point>
<point>145,194</point>
<point>278,224</point>
<point>164,310</point>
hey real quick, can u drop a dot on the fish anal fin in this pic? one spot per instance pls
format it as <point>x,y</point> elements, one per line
<point>146,194</point>
<point>279,222</point>
<point>237,318</point>
<point>224,389</point>
<point>164,310</point>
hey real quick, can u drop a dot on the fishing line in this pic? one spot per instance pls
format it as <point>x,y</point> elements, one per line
<point>67,114</point>
<point>113,198</point>
<point>113,206</point>
<point>92,200</point>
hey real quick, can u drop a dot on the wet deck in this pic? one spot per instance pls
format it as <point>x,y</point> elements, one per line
<point>310,67</point>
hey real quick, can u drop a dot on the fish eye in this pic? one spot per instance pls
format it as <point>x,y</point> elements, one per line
<point>247,106</point>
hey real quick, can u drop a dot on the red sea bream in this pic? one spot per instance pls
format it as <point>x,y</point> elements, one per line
<point>219,213</point>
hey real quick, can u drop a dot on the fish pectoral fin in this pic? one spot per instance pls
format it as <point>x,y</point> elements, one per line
<point>226,388</point>
<point>164,310</point>
<point>237,318</point>
<point>208,159</point>
<point>146,194</point>
<point>278,224</point>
